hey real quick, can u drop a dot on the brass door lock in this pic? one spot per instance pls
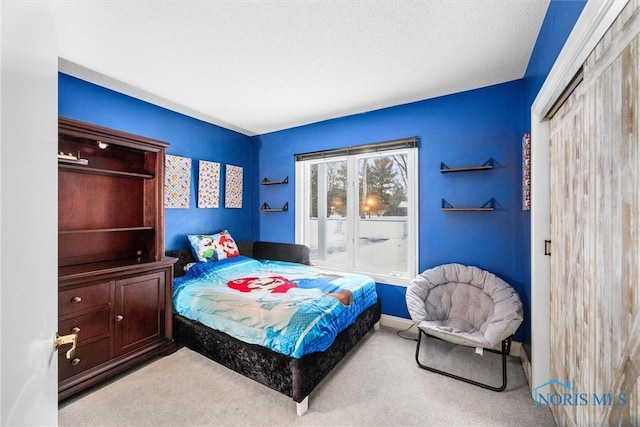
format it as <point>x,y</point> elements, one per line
<point>67,339</point>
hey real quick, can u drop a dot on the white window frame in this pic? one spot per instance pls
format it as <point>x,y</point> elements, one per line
<point>303,207</point>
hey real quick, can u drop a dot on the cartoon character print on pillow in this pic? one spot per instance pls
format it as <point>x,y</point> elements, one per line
<point>203,248</point>
<point>228,246</point>
<point>211,248</point>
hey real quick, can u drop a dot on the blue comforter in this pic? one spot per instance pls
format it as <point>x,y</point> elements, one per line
<point>290,308</point>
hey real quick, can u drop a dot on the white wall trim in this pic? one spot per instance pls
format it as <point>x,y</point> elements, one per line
<point>594,21</point>
<point>398,323</point>
<point>540,263</point>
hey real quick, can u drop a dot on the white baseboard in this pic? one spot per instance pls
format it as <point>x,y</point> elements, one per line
<point>397,323</point>
<point>526,366</point>
<point>402,324</point>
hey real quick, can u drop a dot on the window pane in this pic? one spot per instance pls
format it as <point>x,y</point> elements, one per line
<point>382,226</point>
<point>358,213</point>
<point>328,210</point>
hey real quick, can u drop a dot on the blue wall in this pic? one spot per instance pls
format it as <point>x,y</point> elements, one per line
<point>189,137</point>
<point>460,130</point>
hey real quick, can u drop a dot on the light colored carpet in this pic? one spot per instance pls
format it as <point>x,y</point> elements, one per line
<point>377,384</point>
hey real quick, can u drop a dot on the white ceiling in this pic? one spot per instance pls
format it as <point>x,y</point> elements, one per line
<point>262,66</point>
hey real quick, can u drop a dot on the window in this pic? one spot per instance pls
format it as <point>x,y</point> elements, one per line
<point>356,209</point>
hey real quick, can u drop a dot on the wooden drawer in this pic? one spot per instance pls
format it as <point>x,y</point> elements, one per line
<point>79,299</point>
<point>90,326</point>
<point>86,357</point>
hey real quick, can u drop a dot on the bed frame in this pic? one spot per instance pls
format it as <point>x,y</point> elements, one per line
<point>295,378</point>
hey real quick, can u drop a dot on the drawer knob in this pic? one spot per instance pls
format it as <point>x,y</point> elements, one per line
<point>76,300</point>
<point>75,361</point>
<point>119,318</point>
<point>75,330</point>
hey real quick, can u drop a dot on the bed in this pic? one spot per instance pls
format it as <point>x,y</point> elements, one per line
<point>296,367</point>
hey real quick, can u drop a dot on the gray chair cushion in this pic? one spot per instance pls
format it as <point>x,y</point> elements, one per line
<point>464,305</point>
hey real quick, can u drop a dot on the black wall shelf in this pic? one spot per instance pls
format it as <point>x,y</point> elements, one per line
<point>486,165</point>
<point>266,208</point>
<point>490,205</point>
<point>266,181</point>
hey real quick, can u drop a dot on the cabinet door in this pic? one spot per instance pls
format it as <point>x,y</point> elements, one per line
<point>139,312</point>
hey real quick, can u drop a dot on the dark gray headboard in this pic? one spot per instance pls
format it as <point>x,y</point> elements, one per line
<point>290,252</point>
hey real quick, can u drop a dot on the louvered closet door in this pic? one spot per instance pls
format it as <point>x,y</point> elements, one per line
<point>595,232</point>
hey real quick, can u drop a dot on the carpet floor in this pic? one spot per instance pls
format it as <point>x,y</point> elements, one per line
<point>377,384</point>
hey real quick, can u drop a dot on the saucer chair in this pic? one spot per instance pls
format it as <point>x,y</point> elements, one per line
<point>467,306</point>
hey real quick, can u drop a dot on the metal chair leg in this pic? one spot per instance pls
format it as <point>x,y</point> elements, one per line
<point>506,346</point>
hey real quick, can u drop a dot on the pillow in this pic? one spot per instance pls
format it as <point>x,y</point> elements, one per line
<point>213,247</point>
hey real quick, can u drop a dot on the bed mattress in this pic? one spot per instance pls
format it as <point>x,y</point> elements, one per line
<point>292,309</point>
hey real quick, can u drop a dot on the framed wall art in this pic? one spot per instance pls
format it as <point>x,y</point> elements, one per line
<point>208,184</point>
<point>233,186</point>
<point>177,182</point>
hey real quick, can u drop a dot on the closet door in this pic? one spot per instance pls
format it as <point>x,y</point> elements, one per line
<point>569,179</point>
<point>595,232</point>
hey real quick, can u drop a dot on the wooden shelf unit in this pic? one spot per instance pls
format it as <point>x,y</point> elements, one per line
<point>114,282</point>
<point>87,169</point>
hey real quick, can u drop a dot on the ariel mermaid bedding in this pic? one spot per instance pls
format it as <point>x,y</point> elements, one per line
<point>290,308</point>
